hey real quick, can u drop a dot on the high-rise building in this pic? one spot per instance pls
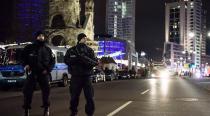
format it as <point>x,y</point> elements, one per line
<point>120,22</point>
<point>185,25</point>
<point>120,19</point>
<point>194,29</point>
<point>114,18</point>
<point>175,22</point>
<point>128,21</point>
<point>175,32</point>
<point>30,16</point>
<point>204,32</point>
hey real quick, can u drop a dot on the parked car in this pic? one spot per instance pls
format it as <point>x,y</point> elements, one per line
<point>123,74</point>
<point>109,75</point>
<point>132,74</point>
<point>98,75</point>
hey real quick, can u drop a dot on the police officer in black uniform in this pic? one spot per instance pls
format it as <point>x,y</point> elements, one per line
<point>81,60</point>
<point>38,61</point>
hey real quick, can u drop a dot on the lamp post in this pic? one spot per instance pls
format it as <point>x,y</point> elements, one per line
<point>143,54</point>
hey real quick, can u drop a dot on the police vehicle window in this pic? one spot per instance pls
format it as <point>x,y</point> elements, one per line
<point>13,56</point>
<point>1,56</point>
<point>60,57</point>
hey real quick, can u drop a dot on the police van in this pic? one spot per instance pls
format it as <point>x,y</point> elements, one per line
<point>60,73</point>
<point>12,73</point>
<point>1,54</point>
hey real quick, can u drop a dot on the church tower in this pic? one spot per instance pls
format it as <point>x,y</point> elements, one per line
<point>65,23</point>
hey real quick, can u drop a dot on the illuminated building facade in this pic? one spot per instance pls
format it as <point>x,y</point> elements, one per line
<point>185,24</point>
<point>115,49</point>
<point>120,22</point>
<point>30,16</point>
<point>112,47</point>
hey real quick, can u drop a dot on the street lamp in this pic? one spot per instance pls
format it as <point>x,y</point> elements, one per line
<point>143,54</point>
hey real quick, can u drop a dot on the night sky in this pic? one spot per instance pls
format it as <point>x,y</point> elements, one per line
<point>149,23</point>
<point>150,17</point>
<point>6,16</point>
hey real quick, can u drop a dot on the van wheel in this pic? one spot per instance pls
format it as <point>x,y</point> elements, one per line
<point>96,80</point>
<point>65,81</point>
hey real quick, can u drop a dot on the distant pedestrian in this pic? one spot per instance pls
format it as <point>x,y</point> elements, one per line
<point>38,61</point>
<point>81,60</point>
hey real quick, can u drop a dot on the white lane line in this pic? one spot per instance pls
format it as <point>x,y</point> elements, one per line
<point>204,82</point>
<point>120,108</point>
<point>145,91</point>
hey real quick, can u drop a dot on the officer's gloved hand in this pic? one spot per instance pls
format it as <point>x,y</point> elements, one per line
<point>27,68</point>
<point>44,72</point>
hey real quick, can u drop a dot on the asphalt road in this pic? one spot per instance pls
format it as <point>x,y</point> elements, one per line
<point>137,97</point>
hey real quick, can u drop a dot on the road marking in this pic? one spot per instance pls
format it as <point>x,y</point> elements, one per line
<point>120,108</point>
<point>203,82</point>
<point>145,91</point>
<point>187,99</point>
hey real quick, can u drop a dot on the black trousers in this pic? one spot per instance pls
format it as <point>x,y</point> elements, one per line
<point>30,85</point>
<point>76,85</point>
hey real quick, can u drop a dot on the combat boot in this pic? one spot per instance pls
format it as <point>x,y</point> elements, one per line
<point>46,112</point>
<point>26,113</point>
<point>73,114</point>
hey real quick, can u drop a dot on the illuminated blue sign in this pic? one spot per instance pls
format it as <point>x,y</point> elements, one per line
<point>115,49</point>
<point>18,68</point>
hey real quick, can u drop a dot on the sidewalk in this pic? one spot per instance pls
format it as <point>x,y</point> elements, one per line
<point>203,82</point>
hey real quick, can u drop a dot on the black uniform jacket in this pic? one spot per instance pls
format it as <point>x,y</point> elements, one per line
<point>80,60</point>
<point>39,57</point>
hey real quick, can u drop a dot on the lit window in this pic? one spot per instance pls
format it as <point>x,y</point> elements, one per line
<point>115,9</point>
<point>124,9</point>
<point>191,3</point>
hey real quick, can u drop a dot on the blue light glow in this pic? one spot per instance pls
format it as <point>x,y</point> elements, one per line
<point>112,47</point>
<point>30,15</point>
<point>60,66</point>
<point>18,68</point>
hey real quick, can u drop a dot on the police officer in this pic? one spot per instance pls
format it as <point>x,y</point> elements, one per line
<point>38,61</point>
<point>81,60</point>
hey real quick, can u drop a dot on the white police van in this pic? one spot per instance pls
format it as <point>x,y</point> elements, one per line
<point>12,72</point>
<point>60,71</point>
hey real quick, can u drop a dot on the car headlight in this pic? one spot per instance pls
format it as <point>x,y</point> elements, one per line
<point>198,74</point>
<point>153,75</point>
<point>164,73</point>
